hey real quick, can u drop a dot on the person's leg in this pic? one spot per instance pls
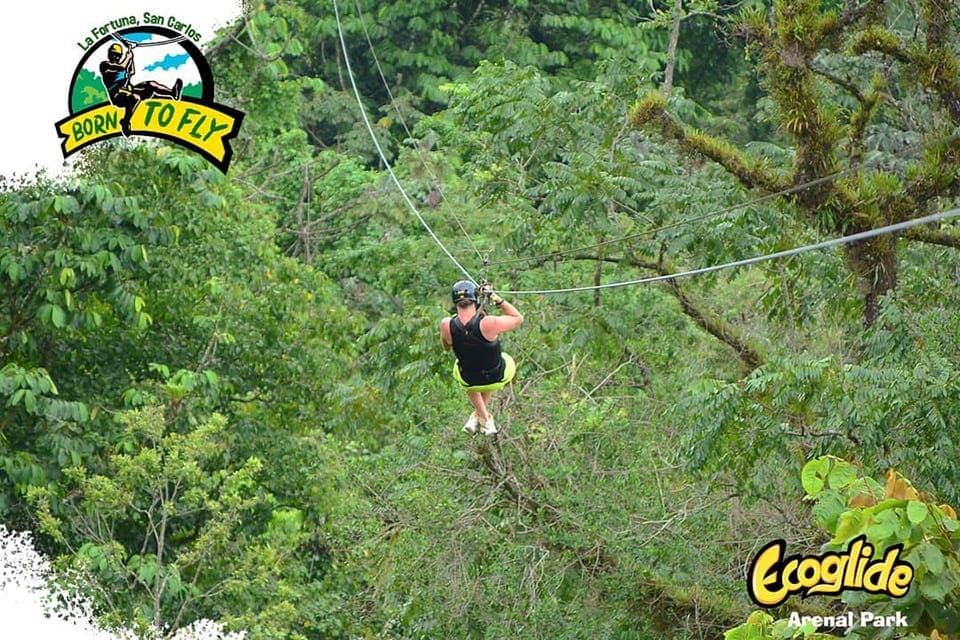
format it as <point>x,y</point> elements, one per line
<point>510,368</point>
<point>151,89</point>
<point>479,405</point>
<point>129,106</point>
<point>489,426</point>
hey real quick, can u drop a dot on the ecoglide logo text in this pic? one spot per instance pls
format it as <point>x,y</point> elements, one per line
<point>774,577</point>
<point>147,79</point>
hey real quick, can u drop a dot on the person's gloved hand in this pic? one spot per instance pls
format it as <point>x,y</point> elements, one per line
<point>486,290</point>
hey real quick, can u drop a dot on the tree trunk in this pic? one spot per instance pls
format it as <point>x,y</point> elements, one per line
<point>874,262</point>
<point>672,48</point>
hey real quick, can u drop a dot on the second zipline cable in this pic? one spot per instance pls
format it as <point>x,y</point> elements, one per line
<point>376,143</point>
<point>863,235</point>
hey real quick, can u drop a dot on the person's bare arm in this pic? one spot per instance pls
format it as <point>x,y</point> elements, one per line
<point>492,326</point>
<point>446,340</point>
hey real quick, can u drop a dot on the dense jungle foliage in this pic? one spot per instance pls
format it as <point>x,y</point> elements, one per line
<point>224,397</point>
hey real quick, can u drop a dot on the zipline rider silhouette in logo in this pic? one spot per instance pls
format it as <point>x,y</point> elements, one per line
<point>117,70</point>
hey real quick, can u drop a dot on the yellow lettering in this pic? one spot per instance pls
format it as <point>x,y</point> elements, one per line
<point>773,578</point>
<point>789,573</point>
<point>808,572</point>
<point>831,574</point>
<point>900,578</point>
<point>764,572</point>
<point>877,576</point>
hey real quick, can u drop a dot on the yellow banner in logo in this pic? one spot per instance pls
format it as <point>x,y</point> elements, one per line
<point>199,126</point>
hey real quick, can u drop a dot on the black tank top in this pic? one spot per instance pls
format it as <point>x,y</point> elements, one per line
<point>481,360</point>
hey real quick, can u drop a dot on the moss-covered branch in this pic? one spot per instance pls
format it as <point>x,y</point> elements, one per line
<point>936,175</point>
<point>748,352</point>
<point>938,61</point>
<point>936,64</point>
<point>876,38</point>
<point>675,604</point>
<point>718,328</point>
<point>651,113</point>
<point>854,12</point>
<point>785,49</point>
<point>933,236</point>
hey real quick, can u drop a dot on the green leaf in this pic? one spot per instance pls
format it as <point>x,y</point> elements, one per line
<point>852,524</point>
<point>884,526</point>
<point>916,511</point>
<point>16,397</point>
<point>813,474</point>
<point>57,317</point>
<point>935,587</point>
<point>828,509</point>
<point>949,524</point>
<point>67,277</point>
<point>29,401</point>
<point>842,475</point>
<point>147,570</point>
<point>929,556</point>
<point>747,631</point>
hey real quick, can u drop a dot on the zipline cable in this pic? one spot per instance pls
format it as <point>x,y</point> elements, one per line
<point>135,44</point>
<point>856,237</point>
<point>376,143</point>
<point>718,212</point>
<point>697,218</point>
<point>773,256</point>
<point>403,123</point>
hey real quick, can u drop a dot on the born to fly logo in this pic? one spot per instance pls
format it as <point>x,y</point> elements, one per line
<point>147,77</point>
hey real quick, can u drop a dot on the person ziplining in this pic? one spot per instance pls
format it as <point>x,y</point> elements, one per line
<point>481,366</point>
<point>117,70</point>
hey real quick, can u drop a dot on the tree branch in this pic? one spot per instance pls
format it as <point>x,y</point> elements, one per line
<point>845,84</point>
<point>672,48</point>
<point>651,112</point>
<point>933,236</point>
<point>876,38</point>
<point>853,11</point>
<point>221,44</point>
<point>710,322</point>
<point>939,57</point>
<point>718,328</point>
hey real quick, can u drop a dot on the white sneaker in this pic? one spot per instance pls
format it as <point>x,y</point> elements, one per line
<point>489,428</point>
<point>471,425</point>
